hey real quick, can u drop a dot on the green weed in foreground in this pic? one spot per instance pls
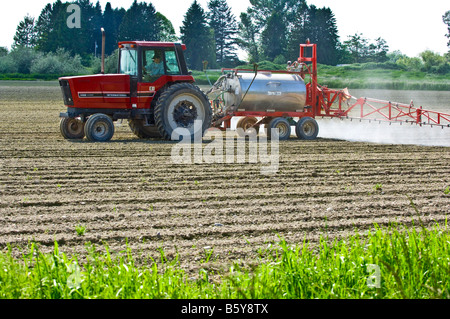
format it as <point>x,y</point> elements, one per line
<point>410,264</point>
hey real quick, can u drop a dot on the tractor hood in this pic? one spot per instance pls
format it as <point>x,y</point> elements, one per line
<point>96,91</point>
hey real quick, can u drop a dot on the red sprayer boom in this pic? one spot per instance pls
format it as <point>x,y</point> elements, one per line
<point>327,102</point>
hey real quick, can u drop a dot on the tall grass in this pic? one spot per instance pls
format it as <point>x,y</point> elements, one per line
<point>412,263</point>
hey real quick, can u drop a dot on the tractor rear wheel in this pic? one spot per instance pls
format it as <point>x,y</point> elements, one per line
<point>142,131</point>
<point>307,128</point>
<point>180,106</point>
<point>71,128</point>
<point>283,126</point>
<point>99,128</point>
<point>246,123</point>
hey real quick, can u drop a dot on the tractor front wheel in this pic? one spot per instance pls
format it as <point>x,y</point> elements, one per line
<point>71,128</point>
<point>99,128</point>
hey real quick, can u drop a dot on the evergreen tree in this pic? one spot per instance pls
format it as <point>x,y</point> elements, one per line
<point>3,51</point>
<point>112,18</point>
<point>198,37</point>
<point>378,50</point>
<point>43,27</point>
<point>446,19</point>
<point>248,37</point>
<point>51,27</point>
<point>225,27</point>
<point>26,34</point>
<point>140,23</point>
<point>96,23</point>
<point>167,32</point>
<point>299,31</point>
<point>358,47</point>
<point>281,25</point>
<point>271,19</point>
<point>84,39</point>
<point>362,51</point>
<point>53,31</point>
<point>274,37</point>
<point>319,26</point>
<point>323,31</point>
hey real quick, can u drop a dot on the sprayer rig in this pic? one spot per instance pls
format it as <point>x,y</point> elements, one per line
<point>278,97</point>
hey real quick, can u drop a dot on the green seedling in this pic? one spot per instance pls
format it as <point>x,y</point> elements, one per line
<point>378,187</point>
<point>207,254</point>
<point>80,229</point>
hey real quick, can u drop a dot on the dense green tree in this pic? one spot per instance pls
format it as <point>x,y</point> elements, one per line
<point>273,20</point>
<point>96,22</point>
<point>262,10</point>
<point>51,27</point>
<point>167,32</point>
<point>378,50</point>
<point>279,26</point>
<point>248,37</point>
<point>112,18</point>
<point>3,51</point>
<point>225,27</point>
<point>299,31</point>
<point>434,63</point>
<point>86,38</point>
<point>26,33</point>
<point>53,31</point>
<point>323,32</point>
<point>357,46</point>
<point>319,26</point>
<point>274,37</point>
<point>43,27</point>
<point>140,23</point>
<point>23,58</point>
<point>446,19</point>
<point>198,37</point>
<point>361,50</point>
<point>411,64</point>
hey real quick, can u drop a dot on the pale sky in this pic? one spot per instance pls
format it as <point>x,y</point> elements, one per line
<point>410,26</point>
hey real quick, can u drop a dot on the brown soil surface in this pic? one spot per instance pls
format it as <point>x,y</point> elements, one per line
<point>128,190</point>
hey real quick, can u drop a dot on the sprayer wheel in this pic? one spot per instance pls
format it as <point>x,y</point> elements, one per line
<point>283,126</point>
<point>246,124</point>
<point>71,128</point>
<point>307,128</point>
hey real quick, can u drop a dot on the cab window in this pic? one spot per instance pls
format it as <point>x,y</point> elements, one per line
<point>157,62</point>
<point>128,62</point>
<point>172,63</point>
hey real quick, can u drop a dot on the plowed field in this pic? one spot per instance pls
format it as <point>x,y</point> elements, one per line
<point>128,190</point>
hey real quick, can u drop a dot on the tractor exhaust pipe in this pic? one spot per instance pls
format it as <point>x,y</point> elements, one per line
<point>103,51</point>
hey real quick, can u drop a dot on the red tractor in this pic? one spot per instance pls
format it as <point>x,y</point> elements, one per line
<point>152,89</point>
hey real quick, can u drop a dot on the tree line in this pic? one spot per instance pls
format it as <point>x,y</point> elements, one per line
<point>269,30</point>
